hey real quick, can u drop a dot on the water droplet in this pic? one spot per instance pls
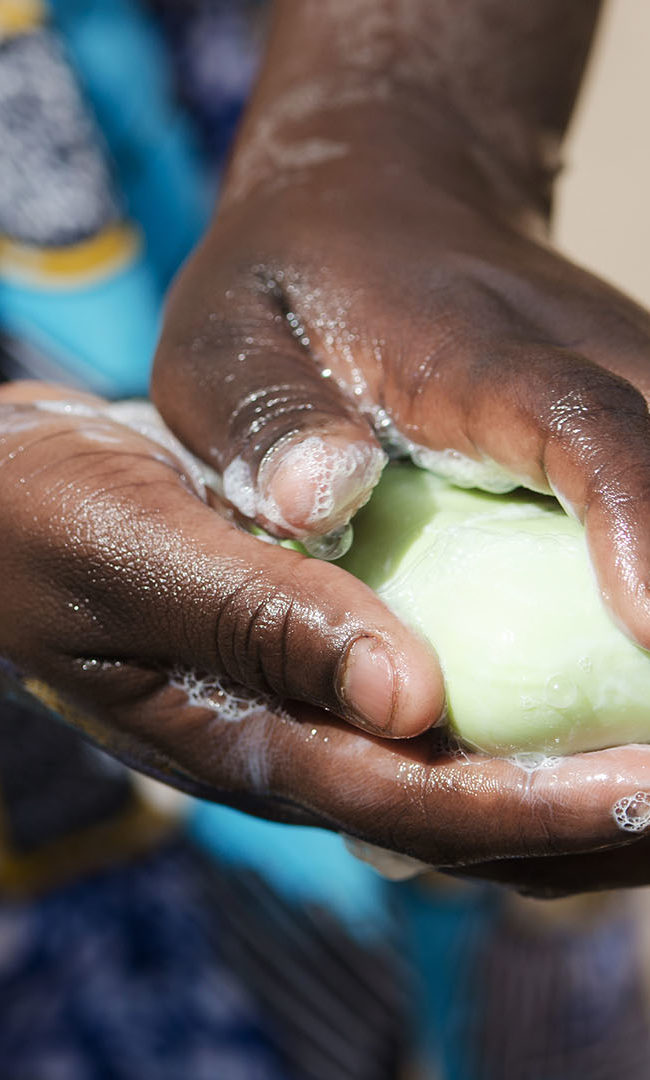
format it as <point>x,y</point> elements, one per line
<point>330,547</point>
<point>560,692</point>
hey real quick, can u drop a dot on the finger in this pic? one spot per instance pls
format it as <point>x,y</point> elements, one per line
<point>213,598</point>
<point>563,875</point>
<point>558,423</point>
<point>133,566</point>
<point>249,397</point>
<point>447,812</point>
<point>576,310</point>
<point>411,797</point>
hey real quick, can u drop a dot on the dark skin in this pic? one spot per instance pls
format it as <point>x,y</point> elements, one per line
<point>381,220</point>
<point>133,575</point>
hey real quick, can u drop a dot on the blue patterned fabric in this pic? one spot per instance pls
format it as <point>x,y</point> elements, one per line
<point>141,973</point>
<point>302,865</point>
<point>117,977</point>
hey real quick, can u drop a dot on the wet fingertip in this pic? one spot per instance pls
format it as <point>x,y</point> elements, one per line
<point>423,701</point>
<point>317,484</point>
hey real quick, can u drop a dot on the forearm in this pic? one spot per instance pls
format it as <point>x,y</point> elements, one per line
<point>493,81</point>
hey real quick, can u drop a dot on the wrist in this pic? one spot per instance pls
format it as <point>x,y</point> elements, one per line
<point>477,94</point>
<point>370,138</point>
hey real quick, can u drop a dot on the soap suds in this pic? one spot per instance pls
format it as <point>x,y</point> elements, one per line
<point>228,700</point>
<point>332,474</point>
<point>632,812</point>
<point>534,761</point>
<point>143,418</point>
<point>451,465</point>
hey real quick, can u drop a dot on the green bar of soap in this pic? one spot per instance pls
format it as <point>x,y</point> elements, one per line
<point>503,587</point>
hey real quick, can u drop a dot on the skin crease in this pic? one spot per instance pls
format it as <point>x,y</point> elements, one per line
<point>410,272</point>
<point>127,570</point>
<point>378,223</point>
<point>384,222</point>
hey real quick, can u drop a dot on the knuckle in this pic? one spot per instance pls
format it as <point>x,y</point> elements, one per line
<point>584,395</point>
<point>273,410</point>
<point>252,634</point>
<point>590,416</point>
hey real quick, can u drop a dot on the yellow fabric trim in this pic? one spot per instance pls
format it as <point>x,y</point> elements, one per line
<point>21,16</point>
<point>81,263</point>
<point>56,704</point>
<point>136,829</point>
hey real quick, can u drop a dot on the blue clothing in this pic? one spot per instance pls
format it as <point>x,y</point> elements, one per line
<point>139,971</point>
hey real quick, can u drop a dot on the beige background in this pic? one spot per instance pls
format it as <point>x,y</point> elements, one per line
<point>602,219</point>
<point>603,216</point>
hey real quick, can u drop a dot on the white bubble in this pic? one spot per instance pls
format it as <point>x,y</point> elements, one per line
<point>632,812</point>
<point>229,701</point>
<point>560,692</point>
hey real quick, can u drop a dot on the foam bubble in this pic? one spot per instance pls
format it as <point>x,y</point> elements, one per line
<point>334,474</point>
<point>632,812</point>
<point>239,489</point>
<point>225,698</point>
<point>560,692</point>
<point>464,471</point>
<point>450,464</point>
<point>533,761</point>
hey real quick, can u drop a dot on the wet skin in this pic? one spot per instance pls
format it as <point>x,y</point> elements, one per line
<point>117,573</point>
<point>387,237</point>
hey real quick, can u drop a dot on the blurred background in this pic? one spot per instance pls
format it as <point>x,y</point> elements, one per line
<point>602,218</point>
<point>144,935</point>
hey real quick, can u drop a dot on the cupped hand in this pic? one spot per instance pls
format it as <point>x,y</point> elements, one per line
<point>182,645</point>
<point>115,569</point>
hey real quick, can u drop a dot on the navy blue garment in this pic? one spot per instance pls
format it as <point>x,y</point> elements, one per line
<point>119,977</point>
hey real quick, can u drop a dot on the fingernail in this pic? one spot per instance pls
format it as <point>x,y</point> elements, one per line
<point>369,682</point>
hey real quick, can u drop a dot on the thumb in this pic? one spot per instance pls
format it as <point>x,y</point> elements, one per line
<point>274,621</point>
<point>247,395</point>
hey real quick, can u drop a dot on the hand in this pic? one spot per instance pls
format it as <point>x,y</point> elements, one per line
<point>119,582</point>
<point>368,287</point>
<point>116,571</point>
<point>427,308</point>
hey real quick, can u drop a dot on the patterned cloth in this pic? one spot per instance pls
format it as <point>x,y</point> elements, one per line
<point>92,176</point>
<point>270,958</point>
<point>119,977</point>
<point>502,994</point>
